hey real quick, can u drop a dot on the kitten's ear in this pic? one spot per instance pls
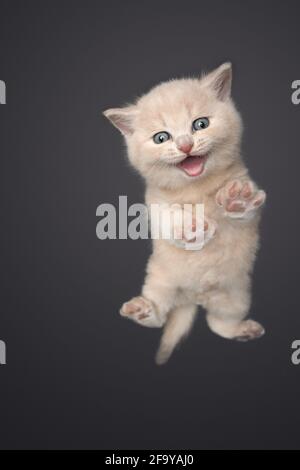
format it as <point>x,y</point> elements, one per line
<point>220,80</point>
<point>122,118</point>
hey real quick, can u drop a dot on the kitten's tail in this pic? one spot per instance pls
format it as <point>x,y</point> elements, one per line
<point>178,325</point>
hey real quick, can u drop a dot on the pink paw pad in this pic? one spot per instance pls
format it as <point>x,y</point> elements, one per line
<point>142,311</point>
<point>238,198</point>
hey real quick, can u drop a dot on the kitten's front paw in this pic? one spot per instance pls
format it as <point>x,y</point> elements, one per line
<point>142,311</point>
<point>240,199</point>
<point>192,237</point>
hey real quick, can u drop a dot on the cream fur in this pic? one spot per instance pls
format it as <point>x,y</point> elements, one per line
<point>218,276</point>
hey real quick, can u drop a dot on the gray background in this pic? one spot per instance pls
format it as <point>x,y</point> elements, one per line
<point>78,376</point>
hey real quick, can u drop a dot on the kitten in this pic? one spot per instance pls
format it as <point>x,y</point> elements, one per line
<point>184,138</point>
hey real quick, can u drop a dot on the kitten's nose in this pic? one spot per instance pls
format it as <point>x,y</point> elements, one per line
<point>184,143</point>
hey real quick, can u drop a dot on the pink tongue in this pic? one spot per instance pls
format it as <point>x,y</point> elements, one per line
<point>193,166</point>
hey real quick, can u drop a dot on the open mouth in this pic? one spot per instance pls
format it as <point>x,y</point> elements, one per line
<point>193,165</point>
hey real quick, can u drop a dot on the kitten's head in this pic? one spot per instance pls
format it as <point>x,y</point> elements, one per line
<point>182,130</point>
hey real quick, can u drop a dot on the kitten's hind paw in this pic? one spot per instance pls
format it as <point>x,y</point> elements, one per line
<point>142,311</point>
<point>240,199</point>
<point>248,330</point>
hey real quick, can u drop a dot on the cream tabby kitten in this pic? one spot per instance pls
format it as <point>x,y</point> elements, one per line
<point>184,138</point>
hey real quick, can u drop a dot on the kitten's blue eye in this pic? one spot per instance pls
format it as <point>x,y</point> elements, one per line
<point>161,137</point>
<point>201,123</point>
